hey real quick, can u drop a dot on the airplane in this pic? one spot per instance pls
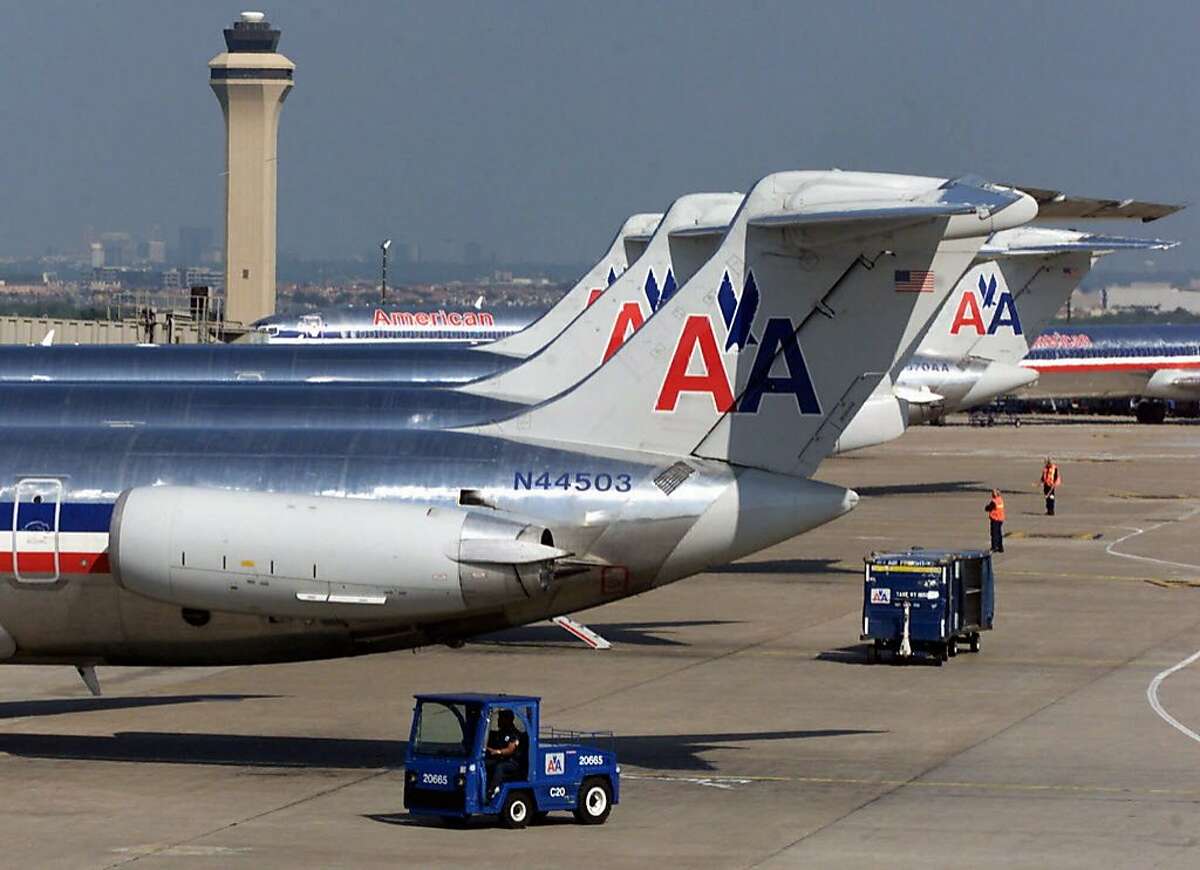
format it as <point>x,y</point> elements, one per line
<point>693,445</point>
<point>962,361</point>
<point>684,239</point>
<point>1151,363</point>
<point>971,353</point>
<point>932,385</point>
<point>473,326</point>
<point>679,243</point>
<point>1021,279</point>
<point>392,323</point>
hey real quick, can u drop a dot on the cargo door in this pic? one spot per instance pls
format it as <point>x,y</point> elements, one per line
<point>35,523</point>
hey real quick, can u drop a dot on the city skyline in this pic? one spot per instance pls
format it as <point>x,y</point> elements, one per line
<point>441,135</point>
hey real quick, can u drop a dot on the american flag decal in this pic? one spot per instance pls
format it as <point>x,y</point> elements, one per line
<point>914,281</point>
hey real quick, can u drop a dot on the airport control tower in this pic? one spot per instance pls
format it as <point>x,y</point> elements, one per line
<point>251,80</point>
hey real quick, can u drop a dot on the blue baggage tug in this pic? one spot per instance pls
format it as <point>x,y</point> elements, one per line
<point>927,602</point>
<point>446,772</point>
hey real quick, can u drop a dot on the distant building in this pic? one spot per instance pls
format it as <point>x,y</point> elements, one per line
<point>97,255</point>
<point>118,249</point>
<point>1149,296</point>
<point>199,276</point>
<point>156,252</point>
<point>194,245</point>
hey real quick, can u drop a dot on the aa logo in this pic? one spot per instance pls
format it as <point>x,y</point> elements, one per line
<point>656,297</point>
<point>630,317</point>
<point>555,763</point>
<point>738,314</point>
<point>596,292</point>
<point>699,366</point>
<point>1001,308</point>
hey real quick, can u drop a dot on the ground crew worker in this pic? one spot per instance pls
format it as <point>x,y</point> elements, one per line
<point>1050,482</point>
<point>501,753</point>
<point>995,512</point>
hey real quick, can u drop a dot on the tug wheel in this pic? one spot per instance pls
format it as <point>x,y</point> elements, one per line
<point>595,802</point>
<point>517,810</point>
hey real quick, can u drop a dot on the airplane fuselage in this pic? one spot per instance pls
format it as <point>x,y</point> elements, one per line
<point>625,525</point>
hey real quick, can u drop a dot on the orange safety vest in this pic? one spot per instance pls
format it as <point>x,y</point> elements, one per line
<point>996,511</point>
<point>1050,476</point>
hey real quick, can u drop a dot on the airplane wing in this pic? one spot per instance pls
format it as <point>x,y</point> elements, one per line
<point>1057,205</point>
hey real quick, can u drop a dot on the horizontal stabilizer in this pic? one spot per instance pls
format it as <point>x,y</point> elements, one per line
<point>699,232</point>
<point>1056,205</point>
<point>966,202</point>
<point>868,212</point>
<point>1041,241</point>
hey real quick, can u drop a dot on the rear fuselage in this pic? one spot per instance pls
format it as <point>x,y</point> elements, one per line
<point>626,526</point>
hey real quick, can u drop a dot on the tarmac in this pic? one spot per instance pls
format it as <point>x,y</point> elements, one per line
<point>751,730</point>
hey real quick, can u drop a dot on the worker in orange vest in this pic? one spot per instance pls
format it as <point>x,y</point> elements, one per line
<point>1050,483</point>
<point>995,512</point>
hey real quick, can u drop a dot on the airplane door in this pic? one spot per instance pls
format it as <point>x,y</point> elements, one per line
<point>35,524</point>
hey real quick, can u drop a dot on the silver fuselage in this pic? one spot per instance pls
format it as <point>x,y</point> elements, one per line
<point>59,602</point>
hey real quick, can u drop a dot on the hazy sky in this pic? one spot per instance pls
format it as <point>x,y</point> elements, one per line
<point>534,128</point>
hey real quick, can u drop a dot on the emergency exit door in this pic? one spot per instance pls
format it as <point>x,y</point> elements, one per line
<point>35,524</point>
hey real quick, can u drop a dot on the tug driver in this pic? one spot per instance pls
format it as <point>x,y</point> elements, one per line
<point>501,752</point>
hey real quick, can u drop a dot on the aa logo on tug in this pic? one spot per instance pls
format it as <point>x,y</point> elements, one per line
<point>969,313</point>
<point>699,365</point>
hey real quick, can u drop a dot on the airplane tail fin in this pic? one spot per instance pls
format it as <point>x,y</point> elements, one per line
<point>626,246</point>
<point>822,281</point>
<point>688,235</point>
<point>1020,280</point>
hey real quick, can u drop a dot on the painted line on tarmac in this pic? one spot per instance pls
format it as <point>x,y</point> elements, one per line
<point>1156,705</point>
<point>1134,532</point>
<point>730,781</point>
<point>1064,575</point>
<point>1152,689</point>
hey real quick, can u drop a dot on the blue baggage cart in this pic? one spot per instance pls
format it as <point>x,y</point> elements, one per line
<point>927,602</point>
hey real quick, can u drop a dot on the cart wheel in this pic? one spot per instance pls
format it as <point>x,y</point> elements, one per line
<point>517,810</point>
<point>976,642</point>
<point>943,653</point>
<point>952,647</point>
<point>595,801</point>
<point>873,654</point>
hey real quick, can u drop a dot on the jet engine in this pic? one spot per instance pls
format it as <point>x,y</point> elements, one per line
<point>316,556</point>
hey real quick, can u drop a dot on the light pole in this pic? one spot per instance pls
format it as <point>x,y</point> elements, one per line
<point>383,246</point>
